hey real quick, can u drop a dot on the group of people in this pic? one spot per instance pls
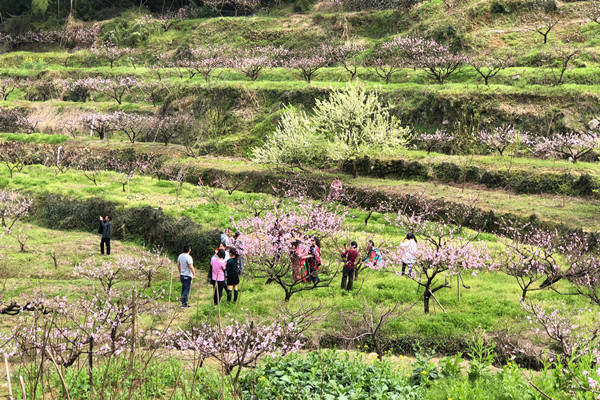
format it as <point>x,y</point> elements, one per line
<point>227,264</point>
<point>306,260</point>
<point>373,258</point>
<point>224,271</point>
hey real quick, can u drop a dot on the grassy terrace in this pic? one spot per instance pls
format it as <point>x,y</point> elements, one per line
<point>570,211</point>
<point>491,303</point>
<point>238,114</point>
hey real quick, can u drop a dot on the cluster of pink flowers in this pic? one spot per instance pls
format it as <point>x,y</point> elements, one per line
<point>434,58</point>
<point>13,208</point>
<point>432,140</point>
<point>562,327</point>
<point>530,257</point>
<point>238,344</point>
<point>70,36</point>
<point>271,235</point>
<point>107,273</point>
<point>499,138</point>
<point>571,145</point>
<point>112,53</point>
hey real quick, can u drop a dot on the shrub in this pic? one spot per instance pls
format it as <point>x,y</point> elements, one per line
<point>295,377</point>
<point>10,119</point>
<point>146,223</point>
<point>498,8</point>
<point>348,124</point>
<point>447,172</point>
<point>303,5</point>
<point>40,90</point>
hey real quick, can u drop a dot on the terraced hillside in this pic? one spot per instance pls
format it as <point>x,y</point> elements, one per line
<point>473,124</point>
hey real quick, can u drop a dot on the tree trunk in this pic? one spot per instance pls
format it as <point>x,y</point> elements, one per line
<point>426,298</point>
<point>91,367</point>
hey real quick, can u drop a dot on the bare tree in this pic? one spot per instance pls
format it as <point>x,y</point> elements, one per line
<point>489,66</point>
<point>562,55</point>
<point>12,154</point>
<point>369,322</point>
<point>546,22</point>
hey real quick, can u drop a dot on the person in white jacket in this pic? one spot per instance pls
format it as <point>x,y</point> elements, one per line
<point>410,252</point>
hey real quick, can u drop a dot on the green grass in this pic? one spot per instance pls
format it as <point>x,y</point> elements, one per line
<point>41,138</point>
<point>492,302</point>
<point>572,212</point>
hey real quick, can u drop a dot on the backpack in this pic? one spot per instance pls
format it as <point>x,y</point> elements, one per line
<point>210,272</point>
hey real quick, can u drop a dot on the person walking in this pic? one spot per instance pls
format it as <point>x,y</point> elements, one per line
<point>409,247</point>
<point>218,275</point>
<point>232,275</point>
<point>349,256</point>
<point>106,231</point>
<point>185,265</point>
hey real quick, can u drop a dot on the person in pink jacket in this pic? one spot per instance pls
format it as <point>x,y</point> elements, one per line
<point>218,275</point>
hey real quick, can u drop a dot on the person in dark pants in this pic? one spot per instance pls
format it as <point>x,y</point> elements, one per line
<point>232,270</point>
<point>349,256</point>
<point>185,265</point>
<point>218,275</point>
<point>106,230</point>
<point>314,262</point>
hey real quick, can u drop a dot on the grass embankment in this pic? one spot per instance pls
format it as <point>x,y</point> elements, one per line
<point>573,212</point>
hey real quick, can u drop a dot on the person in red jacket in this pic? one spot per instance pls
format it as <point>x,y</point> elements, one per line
<point>349,256</point>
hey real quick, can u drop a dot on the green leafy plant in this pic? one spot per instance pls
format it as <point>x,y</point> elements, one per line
<point>482,355</point>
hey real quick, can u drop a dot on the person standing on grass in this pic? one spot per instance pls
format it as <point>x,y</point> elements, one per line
<point>314,262</point>
<point>226,237</point>
<point>409,247</point>
<point>218,275</point>
<point>373,257</point>
<point>239,248</point>
<point>185,265</point>
<point>232,273</point>
<point>349,256</point>
<point>106,231</point>
<point>298,256</point>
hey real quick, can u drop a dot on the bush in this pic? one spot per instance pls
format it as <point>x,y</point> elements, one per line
<point>498,8</point>
<point>40,90</point>
<point>10,119</point>
<point>303,5</point>
<point>327,374</point>
<point>361,5</point>
<point>148,224</point>
<point>129,30</point>
<point>350,123</point>
<point>447,172</point>
<point>518,181</point>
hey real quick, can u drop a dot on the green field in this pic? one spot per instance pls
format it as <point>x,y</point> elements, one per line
<point>479,340</point>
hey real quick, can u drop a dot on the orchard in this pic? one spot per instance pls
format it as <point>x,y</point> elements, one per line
<point>245,199</point>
